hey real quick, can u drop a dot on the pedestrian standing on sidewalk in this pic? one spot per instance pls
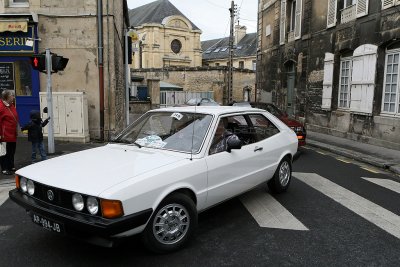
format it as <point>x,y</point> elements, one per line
<point>8,130</point>
<point>35,134</point>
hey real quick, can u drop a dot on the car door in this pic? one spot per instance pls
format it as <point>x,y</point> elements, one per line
<point>231,173</point>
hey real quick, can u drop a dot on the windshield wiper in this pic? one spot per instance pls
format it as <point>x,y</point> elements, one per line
<point>127,141</point>
<point>136,144</point>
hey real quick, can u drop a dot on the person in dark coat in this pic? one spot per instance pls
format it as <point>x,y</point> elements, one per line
<point>35,134</point>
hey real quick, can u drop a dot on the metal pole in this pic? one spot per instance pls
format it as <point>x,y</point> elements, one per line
<point>126,78</point>
<point>50,137</point>
<point>230,75</point>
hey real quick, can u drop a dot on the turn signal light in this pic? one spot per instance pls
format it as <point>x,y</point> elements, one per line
<point>300,137</point>
<point>17,185</point>
<point>111,208</point>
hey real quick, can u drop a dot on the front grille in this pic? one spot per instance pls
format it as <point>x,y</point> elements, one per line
<point>61,198</point>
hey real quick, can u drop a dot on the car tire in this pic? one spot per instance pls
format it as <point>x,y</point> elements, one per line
<point>280,182</point>
<point>166,231</point>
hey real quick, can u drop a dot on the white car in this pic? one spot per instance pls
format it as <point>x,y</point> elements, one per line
<point>158,174</point>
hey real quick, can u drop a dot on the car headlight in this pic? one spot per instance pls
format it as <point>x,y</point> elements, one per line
<point>30,186</point>
<point>77,202</point>
<point>92,205</point>
<point>23,182</point>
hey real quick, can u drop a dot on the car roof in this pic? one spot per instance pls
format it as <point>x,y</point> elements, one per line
<point>213,110</point>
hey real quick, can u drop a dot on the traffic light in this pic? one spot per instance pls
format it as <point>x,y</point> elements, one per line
<point>58,62</point>
<point>38,62</point>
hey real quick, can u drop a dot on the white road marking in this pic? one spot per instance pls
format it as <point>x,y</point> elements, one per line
<point>4,193</point>
<point>389,184</point>
<point>4,228</point>
<point>268,212</point>
<point>370,211</point>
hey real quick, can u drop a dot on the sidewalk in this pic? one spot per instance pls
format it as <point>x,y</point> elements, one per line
<point>375,155</point>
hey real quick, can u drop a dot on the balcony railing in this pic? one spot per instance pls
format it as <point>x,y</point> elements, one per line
<point>348,14</point>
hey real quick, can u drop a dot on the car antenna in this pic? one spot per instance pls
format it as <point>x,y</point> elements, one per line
<point>194,121</point>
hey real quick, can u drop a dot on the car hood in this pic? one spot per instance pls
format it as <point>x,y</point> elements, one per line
<point>290,122</point>
<point>94,170</point>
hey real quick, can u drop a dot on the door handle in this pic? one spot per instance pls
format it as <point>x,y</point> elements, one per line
<point>258,149</point>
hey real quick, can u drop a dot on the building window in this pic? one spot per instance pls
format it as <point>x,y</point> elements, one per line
<point>19,3</point>
<point>241,64</point>
<point>391,92</point>
<point>292,15</point>
<point>176,46</point>
<point>217,64</point>
<point>389,3</point>
<point>254,64</point>
<point>345,83</point>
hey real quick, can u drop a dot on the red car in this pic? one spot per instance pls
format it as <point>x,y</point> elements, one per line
<point>297,126</point>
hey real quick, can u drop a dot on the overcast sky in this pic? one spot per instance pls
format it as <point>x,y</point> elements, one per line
<point>212,16</point>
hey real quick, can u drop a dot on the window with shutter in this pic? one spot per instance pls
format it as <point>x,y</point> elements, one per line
<point>387,3</point>
<point>282,35</point>
<point>345,82</point>
<point>328,81</point>
<point>362,8</point>
<point>331,15</point>
<point>297,25</point>
<point>363,78</point>
<point>391,84</point>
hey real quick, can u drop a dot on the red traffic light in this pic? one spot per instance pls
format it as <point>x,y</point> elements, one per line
<point>38,62</point>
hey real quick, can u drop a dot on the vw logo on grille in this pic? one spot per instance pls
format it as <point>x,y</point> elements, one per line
<point>50,195</point>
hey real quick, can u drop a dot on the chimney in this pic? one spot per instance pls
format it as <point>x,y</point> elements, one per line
<point>240,32</point>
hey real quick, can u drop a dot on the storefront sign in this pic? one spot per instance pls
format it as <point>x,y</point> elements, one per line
<point>14,26</point>
<point>6,76</point>
<point>11,42</point>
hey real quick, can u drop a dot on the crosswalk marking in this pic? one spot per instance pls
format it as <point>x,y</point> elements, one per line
<point>370,211</point>
<point>4,189</point>
<point>389,184</point>
<point>268,212</point>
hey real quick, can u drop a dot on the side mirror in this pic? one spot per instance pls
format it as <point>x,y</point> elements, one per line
<point>233,143</point>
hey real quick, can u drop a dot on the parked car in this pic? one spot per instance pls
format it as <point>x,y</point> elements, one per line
<point>201,102</point>
<point>158,174</point>
<point>295,125</point>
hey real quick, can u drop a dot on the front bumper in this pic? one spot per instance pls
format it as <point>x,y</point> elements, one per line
<point>80,225</point>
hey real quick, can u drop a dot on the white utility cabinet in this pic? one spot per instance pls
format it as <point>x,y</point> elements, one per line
<point>70,116</point>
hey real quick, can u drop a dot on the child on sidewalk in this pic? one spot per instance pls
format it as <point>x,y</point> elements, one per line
<point>35,133</point>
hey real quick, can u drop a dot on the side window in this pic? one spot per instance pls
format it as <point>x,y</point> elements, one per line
<point>230,127</point>
<point>263,128</point>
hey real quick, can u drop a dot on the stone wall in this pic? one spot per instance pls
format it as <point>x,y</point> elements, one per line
<point>379,27</point>
<point>203,79</point>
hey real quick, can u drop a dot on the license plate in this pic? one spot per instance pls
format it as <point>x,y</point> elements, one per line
<point>47,224</point>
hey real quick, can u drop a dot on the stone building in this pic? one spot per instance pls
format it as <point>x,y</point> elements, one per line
<point>165,37</point>
<point>216,51</point>
<point>168,49</point>
<point>335,64</point>
<point>71,29</point>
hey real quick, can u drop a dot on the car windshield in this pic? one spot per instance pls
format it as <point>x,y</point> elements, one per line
<point>201,102</point>
<point>179,131</point>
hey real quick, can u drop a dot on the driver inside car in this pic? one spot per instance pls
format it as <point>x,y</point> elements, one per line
<point>221,137</point>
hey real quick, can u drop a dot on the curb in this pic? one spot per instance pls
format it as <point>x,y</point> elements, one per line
<point>380,163</point>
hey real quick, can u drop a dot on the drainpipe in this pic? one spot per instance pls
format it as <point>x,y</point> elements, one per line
<point>101,69</point>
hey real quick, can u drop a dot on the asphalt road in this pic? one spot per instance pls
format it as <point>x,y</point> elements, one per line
<point>340,211</point>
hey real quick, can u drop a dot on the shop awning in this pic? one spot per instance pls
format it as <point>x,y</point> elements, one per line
<point>14,25</point>
<point>164,86</point>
